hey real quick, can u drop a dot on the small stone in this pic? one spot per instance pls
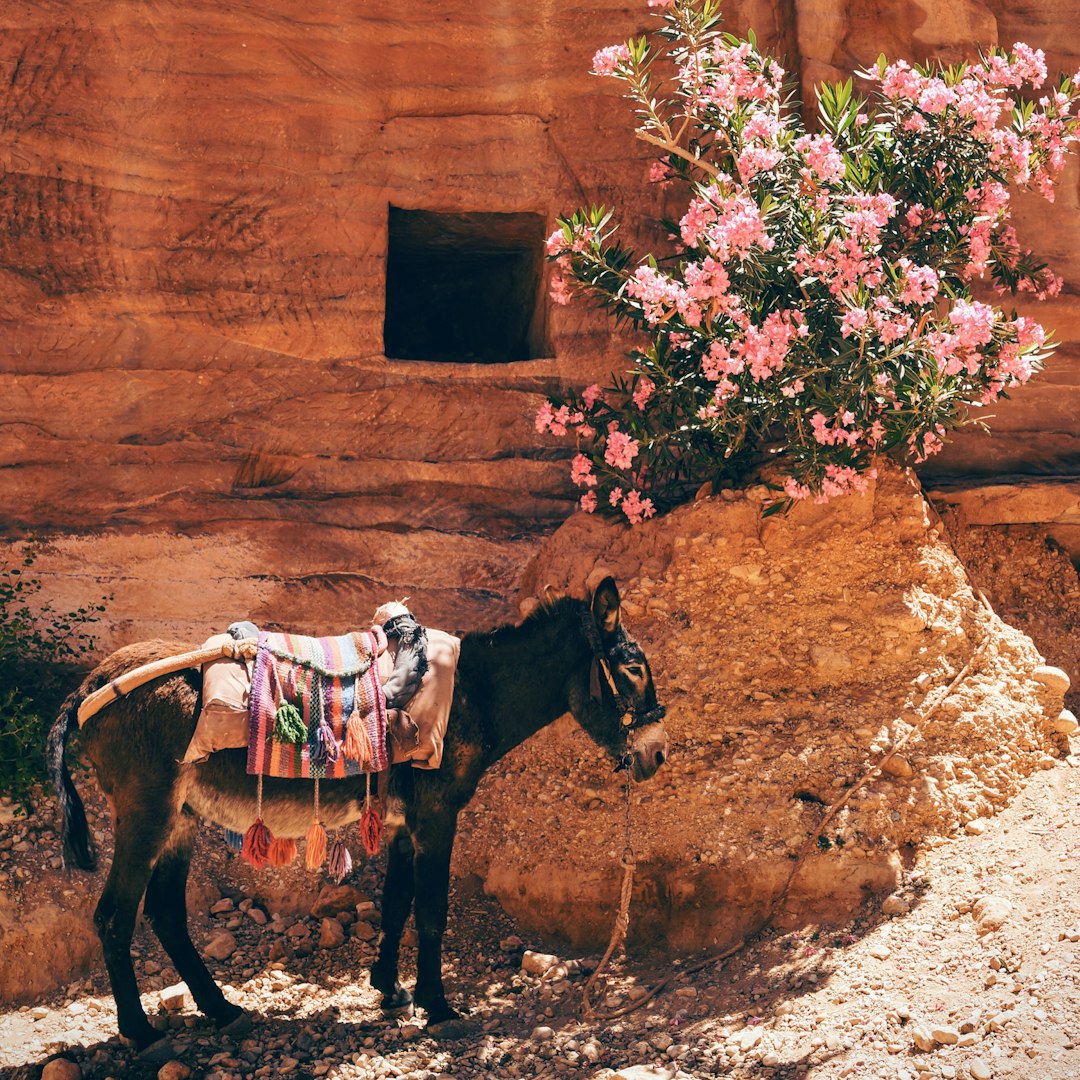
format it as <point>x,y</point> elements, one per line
<point>898,765</point>
<point>661,1041</point>
<point>175,998</point>
<point>976,827</point>
<point>335,898</point>
<point>331,934</point>
<point>364,931</point>
<point>257,916</point>
<point>747,1038</point>
<point>537,963</point>
<point>944,1034</point>
<point>76,1008</point>
<point>542,1034</point>
<point>221,946</point>
<point>409,1032</point>
<point>61,1069</point>
<point>511,944</point>
<point>879,950</point>
<point>1066,723</point>
<point>1053,678</point>
<point>643,1072</point>
<point>922,1037</point>
<point>222,906</point>
<point>38,1012</point>
<point>991,913</point>
<point>895,905</point>
<point>980,1070</point>
<point>173,1070</point>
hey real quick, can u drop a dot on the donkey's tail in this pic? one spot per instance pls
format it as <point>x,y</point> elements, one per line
<point>78,843</point>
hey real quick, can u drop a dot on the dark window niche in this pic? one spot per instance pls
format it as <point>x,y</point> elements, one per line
<point>464,287</point>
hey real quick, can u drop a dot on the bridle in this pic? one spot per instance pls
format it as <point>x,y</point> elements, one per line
<point>634,714</point>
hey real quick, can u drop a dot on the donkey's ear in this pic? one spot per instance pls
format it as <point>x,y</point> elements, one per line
<point>605,606</point>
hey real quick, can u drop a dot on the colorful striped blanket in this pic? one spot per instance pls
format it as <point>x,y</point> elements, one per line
<point>317,707</point>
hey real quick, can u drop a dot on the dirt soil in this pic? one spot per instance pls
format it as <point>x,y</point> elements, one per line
<point>967,965</point>
<point>970,969</point>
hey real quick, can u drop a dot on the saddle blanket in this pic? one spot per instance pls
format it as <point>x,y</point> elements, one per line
<point>328,680</point>
<point>224,722</point>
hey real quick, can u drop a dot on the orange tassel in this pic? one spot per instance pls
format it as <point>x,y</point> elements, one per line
<point>315,853</point>
<point>282,851</point>
<point>257,842</point>
<point>358,746</point>
<point>371,828</point>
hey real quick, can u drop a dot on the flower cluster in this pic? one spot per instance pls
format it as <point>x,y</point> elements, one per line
<point>816,303</point>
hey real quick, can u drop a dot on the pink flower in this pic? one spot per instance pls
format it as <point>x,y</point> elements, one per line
<point>974,323</point>
<point>555,244</point>
<point>920,283</point>
<point>553,420</point>
<point>645,390</point>
<point>636,508</point>
<point>822,158</point>
<point>853,321</point>
<point>581,471</point>
<point>558,291</point>
<point>615,496</point>
<point>591,394</point>
<point>587,502</point>
<point>608,59</point>
<point>621,449</point>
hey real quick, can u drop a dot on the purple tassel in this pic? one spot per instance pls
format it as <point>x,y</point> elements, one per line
<point>322,745</point>
<point>340,861</point>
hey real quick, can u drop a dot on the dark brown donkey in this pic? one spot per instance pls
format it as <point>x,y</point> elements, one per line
<point>571,656</point>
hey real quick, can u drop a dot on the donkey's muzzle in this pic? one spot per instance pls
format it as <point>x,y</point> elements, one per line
<point>648,751</point>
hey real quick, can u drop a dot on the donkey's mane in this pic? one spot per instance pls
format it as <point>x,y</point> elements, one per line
<point>548,611</point>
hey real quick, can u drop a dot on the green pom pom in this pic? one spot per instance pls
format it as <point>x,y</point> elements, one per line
<point>289,726</point>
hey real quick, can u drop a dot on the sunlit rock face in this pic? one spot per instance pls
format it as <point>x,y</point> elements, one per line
<point>219,222</point>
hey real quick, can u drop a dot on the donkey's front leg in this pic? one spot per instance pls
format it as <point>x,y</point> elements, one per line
<point>396,905</point>
<point>433,844</point>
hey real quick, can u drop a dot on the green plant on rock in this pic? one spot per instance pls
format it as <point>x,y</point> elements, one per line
<point>40,651</point>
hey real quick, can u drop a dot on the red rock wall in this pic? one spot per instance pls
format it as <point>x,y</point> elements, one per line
<point>193,200</point>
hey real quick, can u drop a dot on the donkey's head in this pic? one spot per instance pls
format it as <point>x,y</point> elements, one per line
<point>621,712</point>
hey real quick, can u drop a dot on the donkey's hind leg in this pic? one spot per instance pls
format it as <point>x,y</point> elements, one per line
<point>143,827</point>
<point>166,909</point>
<point>397,903</point>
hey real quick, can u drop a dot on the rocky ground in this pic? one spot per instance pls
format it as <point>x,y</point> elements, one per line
<point>970,970</point>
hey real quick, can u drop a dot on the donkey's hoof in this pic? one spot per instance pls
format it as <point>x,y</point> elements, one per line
<point>238,1027</point>
<point>157,1053</point>
<point>457,1028</point>
<point>399,1003</point>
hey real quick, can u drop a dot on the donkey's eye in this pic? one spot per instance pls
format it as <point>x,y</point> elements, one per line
<point>635,671</point>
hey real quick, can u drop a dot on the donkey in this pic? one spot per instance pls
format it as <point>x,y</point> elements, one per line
<point>568,656</point>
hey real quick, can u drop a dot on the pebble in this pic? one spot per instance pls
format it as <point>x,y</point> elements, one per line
<point>61,1069</point>
<point>537,963</point>
<point>922,1037</point>
<point>944,1034</point>
<point>542,1034</point>
<point>980,1070</point>
<point>331,934</point>
<point>175,998</point>
<point>879,950</point>
<point>221,946</point>
<point>895,905</point>
<point>1066,723</point>
<point>643,1072</point>
<point>991,912</point>
<point>335,898</point>
<point>1053,678</point>
<point>173,1070</point>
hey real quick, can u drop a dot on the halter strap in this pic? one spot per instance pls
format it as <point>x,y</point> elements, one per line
<point>602,658</point>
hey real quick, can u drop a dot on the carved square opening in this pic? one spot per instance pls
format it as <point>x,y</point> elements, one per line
<point>464,287</point>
